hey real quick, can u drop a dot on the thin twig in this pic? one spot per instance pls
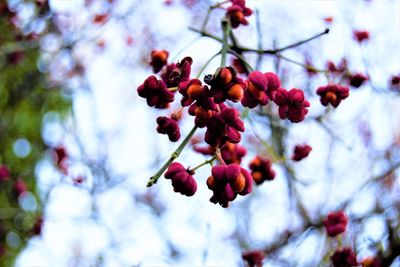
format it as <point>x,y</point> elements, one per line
<point>171,159</point>
<point>259,37</point>
<point>225,29</point>
<point>206,64</point>
<point>270,51</point>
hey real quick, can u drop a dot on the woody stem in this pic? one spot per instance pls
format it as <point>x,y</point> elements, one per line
<point>262,51</point>
<point>225,45</point>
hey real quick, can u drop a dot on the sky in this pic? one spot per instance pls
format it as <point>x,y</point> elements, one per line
<point>117,132</point>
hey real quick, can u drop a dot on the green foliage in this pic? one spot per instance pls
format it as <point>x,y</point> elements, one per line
<point>25,98</point>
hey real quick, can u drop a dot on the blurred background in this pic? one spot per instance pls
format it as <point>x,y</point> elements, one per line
<point>78,144</point>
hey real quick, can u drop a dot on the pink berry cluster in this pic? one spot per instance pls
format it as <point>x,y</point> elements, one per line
<point>210,103</point>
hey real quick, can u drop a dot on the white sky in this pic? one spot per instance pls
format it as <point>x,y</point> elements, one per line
<point>194,225</point>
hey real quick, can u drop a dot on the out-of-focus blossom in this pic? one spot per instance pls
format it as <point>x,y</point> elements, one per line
<point>301,151</point>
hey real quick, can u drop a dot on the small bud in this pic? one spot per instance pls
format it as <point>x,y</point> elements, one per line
<point>361,36</point>
<point>4,173</point>
<point>100,18</point>
<point>328,20</point>
<point>395,82</point>
<point>300,152</point>
<point>38,226</point>
<point>254,258</point>
<point>358,79</point>
<point>19,187</point>
<point>14,58</point>
<point>344,257</point>
<point>335,223</point>
<point>158,59</point>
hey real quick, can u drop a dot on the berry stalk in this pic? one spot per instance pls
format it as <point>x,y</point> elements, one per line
<point>174,155</point>
<point>225,45</point>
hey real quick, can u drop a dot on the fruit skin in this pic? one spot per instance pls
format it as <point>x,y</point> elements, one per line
<point>292,104</point>
<point>155,92</point>
<point>170,127</point>
<point>227,181</point>
<point>182,179</point>
<point>261,170</point>
<point>158,59</point>
<point>332,94</point>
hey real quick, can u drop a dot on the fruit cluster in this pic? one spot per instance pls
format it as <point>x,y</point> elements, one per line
<point>216,104</point>
<point>223,99</point>
<point>211,104</point>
